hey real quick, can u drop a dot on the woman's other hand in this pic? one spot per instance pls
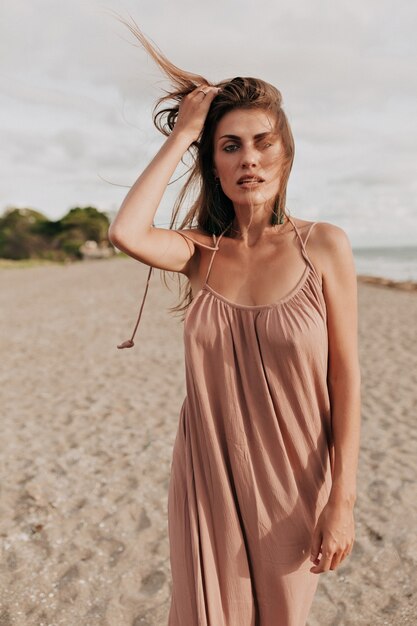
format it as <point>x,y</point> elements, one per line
<point>333,536</point>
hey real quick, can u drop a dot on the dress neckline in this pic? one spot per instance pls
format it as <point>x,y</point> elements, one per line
<point>291,294</point>
<point>309,271</point>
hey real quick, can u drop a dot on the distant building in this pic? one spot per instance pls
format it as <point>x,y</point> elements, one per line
<point>92,250</point>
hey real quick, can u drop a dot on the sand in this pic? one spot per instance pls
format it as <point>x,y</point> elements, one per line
<point>87,436</point>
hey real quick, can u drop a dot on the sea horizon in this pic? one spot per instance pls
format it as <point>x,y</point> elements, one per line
<point>393,262</point>
<point>398,263</point>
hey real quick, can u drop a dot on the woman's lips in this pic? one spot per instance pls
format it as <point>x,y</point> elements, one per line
<point>247,184</point>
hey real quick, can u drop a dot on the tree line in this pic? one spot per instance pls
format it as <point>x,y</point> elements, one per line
<point>28,234</point>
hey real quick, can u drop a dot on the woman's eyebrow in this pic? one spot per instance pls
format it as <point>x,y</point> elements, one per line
<point>258,136</point>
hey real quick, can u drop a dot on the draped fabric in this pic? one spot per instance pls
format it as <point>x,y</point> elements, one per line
<point>252,458</point>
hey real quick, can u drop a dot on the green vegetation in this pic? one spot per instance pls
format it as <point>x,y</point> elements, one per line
<point>28,234</point>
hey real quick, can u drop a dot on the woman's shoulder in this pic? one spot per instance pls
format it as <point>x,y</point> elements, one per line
<point>327,244</point>
<point>198,236</point>
<point>324,233</point>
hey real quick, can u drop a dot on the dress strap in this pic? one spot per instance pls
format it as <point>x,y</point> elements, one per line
<point>216,242</point>
<point>303,244</point>
<point>197,242</point>
<point>129,343</point>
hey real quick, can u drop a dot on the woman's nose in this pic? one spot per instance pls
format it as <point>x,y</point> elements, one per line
<point>249,156</point>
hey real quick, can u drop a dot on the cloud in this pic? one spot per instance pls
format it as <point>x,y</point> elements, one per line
<point>77,93</point>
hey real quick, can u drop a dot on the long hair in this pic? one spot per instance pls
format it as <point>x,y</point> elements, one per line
<point>212,211</point>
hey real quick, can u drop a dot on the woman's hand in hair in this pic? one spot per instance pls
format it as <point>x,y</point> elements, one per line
<point>193,111</point>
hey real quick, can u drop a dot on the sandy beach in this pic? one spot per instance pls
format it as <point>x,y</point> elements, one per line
<point>87,436</point>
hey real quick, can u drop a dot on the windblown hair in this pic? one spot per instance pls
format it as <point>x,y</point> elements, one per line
<point>206,213</point>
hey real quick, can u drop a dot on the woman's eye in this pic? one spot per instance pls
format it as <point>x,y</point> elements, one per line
<point>230,147</point>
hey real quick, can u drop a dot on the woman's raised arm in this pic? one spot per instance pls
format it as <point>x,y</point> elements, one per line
<point>131,231</point>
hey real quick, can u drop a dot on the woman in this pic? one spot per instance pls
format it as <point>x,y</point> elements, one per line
<point>263,474</point>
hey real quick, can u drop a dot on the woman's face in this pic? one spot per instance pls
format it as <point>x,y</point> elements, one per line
<point>245,144</point>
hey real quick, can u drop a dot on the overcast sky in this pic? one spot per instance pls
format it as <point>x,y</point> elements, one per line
<point>77,91</point>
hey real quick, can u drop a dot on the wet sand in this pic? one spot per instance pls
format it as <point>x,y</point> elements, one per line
<point>87,436</point>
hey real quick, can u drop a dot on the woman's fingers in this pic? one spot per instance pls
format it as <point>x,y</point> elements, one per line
<point>325,562</point>
<point>204,89</point>
<point>337,559</point>
<point>204,93</point>
<point>330,560</point>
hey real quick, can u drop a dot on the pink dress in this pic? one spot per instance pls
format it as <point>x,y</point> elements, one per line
<point>252,458</point>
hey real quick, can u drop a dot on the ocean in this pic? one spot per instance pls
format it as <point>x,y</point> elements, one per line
<point>396,263</point>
